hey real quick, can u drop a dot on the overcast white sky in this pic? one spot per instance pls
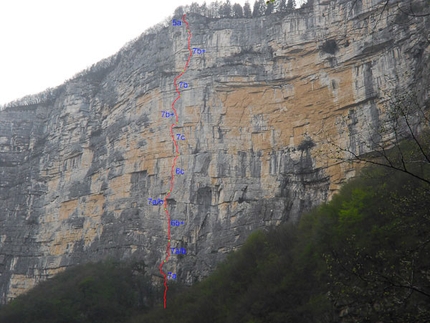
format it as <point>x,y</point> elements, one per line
<point>45,42</point>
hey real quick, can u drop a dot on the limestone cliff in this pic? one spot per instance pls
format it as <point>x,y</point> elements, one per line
<point>77,170</point>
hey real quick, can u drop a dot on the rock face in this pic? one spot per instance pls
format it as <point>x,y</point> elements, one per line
<point>77,171</point>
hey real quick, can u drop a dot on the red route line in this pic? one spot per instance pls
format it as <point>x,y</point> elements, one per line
<point>172,171</point>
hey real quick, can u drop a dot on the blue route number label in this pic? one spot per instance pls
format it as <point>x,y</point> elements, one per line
<point>176,223</point>
<point>171,275</point>
<point>198,50</point>
<point>178,251</point>
<point>176,22</point>
<point>167,114</point>
<point>183,85</point>
<point>155,202</point>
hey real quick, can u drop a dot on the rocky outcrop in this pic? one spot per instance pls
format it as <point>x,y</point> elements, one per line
<point>77,171</point>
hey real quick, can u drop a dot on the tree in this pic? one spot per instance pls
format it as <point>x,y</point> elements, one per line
<point>214,9</point>
<point>269,9</point>
<point>237,11</point>
<point>194,7</point>
<point>259,8</point>
<point>255,9</point>
<point>282,5</point>
<point>179,12</point>
<point>100,292</point>
<point>225,9</point>
<point>247,10</point>
<point>204,10</point>
<point>378,253</point>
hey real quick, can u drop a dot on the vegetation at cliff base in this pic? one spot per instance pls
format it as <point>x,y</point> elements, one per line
<point>95,292</point>
<point>362,257</point>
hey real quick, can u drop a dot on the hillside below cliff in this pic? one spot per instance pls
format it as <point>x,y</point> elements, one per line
<point>260,105</point>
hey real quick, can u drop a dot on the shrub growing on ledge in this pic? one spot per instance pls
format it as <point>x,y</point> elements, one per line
<point>330,47</point>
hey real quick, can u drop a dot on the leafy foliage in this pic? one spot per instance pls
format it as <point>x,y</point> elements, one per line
<point>379,258</point>
<point>101,292</point>
<point>237,11</point>
<point>259,8</point>
<point>291,4</point>
<point>247,12</point>
<point>330,47</point>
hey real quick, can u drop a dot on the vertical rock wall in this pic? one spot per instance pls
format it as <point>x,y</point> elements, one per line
<point>76,174</point>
